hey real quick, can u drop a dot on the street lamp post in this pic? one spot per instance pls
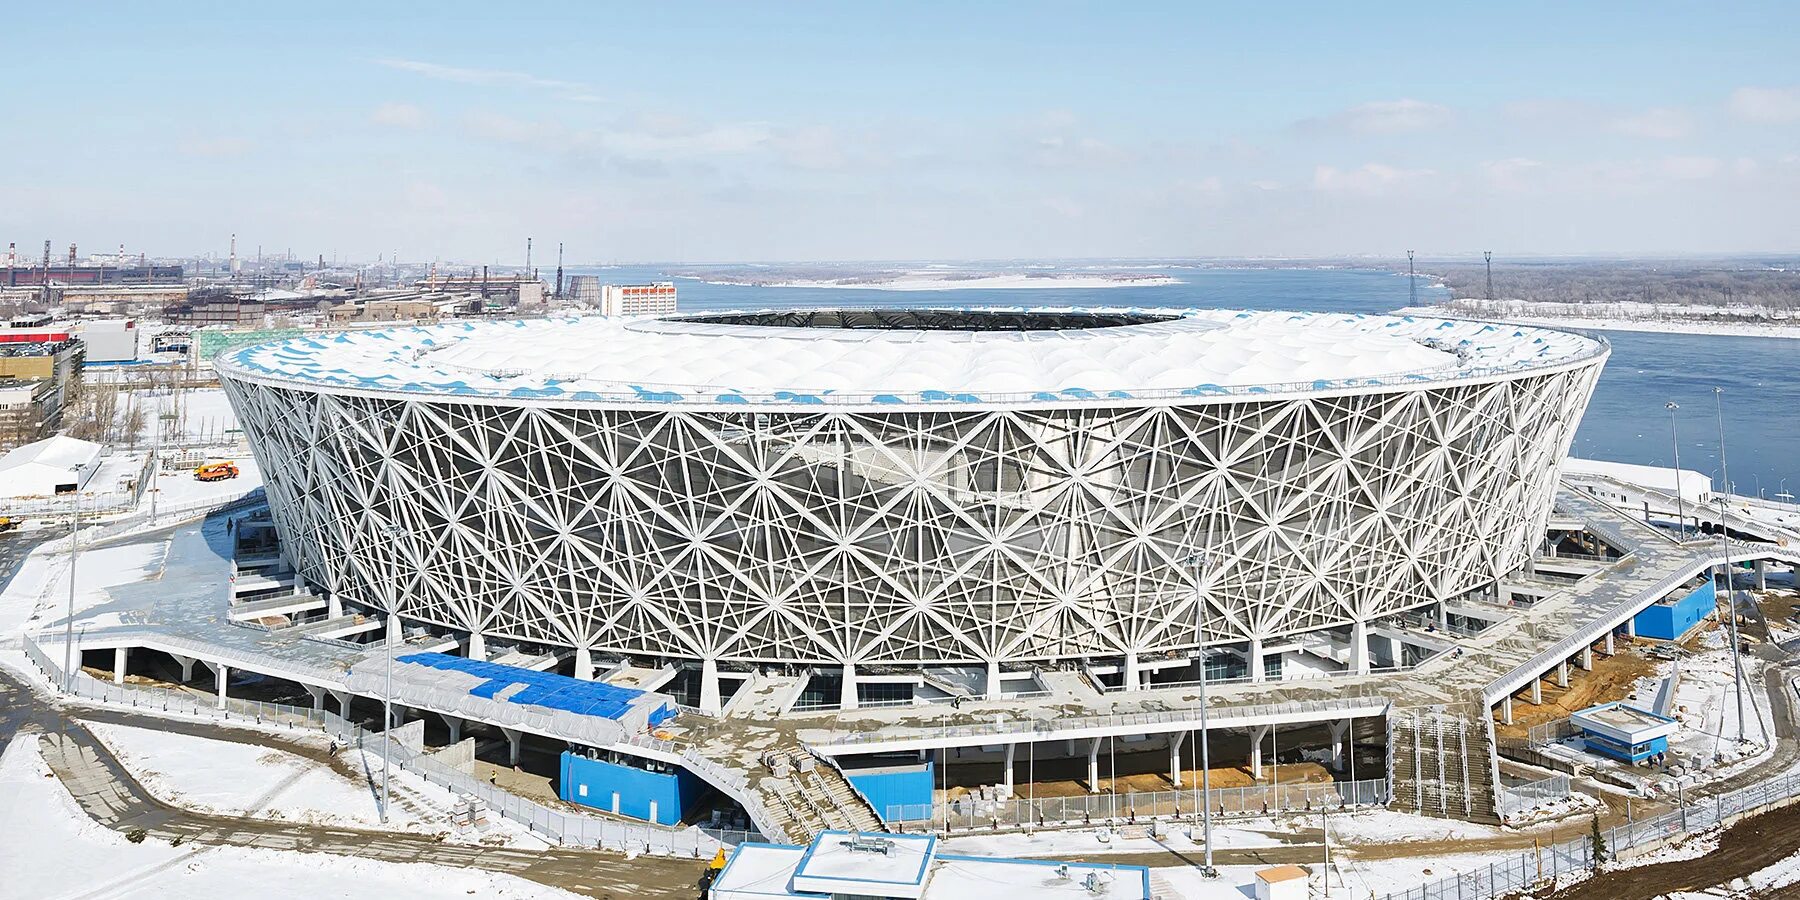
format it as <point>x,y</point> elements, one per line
<point>1198,562</point>
<point>1680,505</point>
<point>69,620</point>
<point>1737,662</point>
<point>387,700</point>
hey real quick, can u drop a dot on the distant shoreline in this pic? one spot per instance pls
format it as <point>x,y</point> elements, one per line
<point>1663,325</point>
<point>926,281</point>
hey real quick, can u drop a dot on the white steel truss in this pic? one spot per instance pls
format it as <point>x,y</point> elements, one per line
<point>920,535</point>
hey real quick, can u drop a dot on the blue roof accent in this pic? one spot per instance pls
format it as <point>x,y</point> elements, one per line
<point>1044,395</point>
<point>1320,384</point>
<point>934,395</point>
<point>731,398</point>
<point>965,398</point>
<point>646,394</point>
<point>545,689</point>
<point>878,398</point>
<point>1080,393</point>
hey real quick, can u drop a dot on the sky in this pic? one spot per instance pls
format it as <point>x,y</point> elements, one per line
<point>796,132</point>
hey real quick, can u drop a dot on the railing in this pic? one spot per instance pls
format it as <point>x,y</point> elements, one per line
<point>1577,856</point>
<point>571,829</point>
<point>972,813</point>
<point>1190,715</point>
<point>1285,677</point>
<point>1520,798</point>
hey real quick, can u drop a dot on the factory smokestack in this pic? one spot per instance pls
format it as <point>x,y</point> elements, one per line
<point>234,268</point>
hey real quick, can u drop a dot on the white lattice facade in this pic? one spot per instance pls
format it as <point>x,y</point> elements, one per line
<point>913,533</point>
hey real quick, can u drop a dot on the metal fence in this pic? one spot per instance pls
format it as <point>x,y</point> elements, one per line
<point>1577,856</point>
<point>567,828</point>
<point>1545,733</point>
<point>971,813</point>
<point>1520,798</point>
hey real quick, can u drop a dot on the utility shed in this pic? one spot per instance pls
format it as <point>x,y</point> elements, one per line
<point>1624,733</point>
<point>54,465</point>
<point>1281,883</point>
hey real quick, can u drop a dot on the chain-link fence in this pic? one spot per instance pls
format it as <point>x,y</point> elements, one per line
<point>567,828</point>
<point>973,813</point>
<point>1519,798</point>
<point>1577,856</point>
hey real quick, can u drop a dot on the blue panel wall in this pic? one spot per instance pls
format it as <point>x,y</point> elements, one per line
<point>674,792</point>
<point>898,796</point>
<point>1668,622</point>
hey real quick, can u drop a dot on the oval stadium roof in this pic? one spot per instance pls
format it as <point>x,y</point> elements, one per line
<point>905,357</point>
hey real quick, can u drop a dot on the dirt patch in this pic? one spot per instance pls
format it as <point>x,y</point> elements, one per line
<point>1612,678</point>
<point>1753,844</point>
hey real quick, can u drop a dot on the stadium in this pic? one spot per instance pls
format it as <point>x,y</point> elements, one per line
<point>901,489</point>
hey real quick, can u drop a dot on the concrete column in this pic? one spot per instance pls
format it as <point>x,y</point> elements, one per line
<point>455,725</point>
<point>477,646</point>
<point>1359,647</point>
<point>1257,733</point>
<point>847,698</point>
<point>1255,658</point>
<point>1443,615</point>
<point>120,657</point>
<point>1586,660</point>
<point>343,698</point>
<point>1762,574</point>
<point>1340,756</point>
<point>1609,643</point>
<point>1537,692</point>
<point>318,697</point>
<point>584,664</point>
<point>1631,627</point>
<point>399,714</point>
<point>1506,710</point>
<point>187,668</point>
<point>994,691</point>
<point>1131,670</point>
<point>1007,776</point>
<point>1562,674</point>
<point>512,745</point>
<point>1175,742</point>
<point>1094,767</point>
<point>221,679</point>
<point>393,630</point>
<point>709,686</point>
<point>334,606</point>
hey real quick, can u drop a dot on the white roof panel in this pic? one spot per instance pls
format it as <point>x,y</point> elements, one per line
<point>701,359</point>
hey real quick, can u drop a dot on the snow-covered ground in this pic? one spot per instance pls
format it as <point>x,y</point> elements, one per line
<point>53,850</point>
<point>246,779</point>
<point>1665,319</point>
<point>39,593</point>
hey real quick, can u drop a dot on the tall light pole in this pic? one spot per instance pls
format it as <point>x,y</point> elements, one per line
<point>1680,506</point>
<point>1198,563</point>
<point>387,700</point>
<point>1737,662</point>
<point>74,554</point>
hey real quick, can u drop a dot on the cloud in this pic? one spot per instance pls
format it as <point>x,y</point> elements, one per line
<point>1515,173</point>
<point>1382,117</point>
<point>1662,124</point>
<point>486,77</point>
<point>398,115</point>
<point>1644,174</point>
<point>1762,104</point>
<point>216,148</point>
<point>1370,178</point>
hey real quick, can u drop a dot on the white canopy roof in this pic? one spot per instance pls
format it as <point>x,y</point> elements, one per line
<point>40,468</point>
<point>717,358</point>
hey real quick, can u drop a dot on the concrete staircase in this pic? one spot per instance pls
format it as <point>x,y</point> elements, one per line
<point>818,798</point>
<point>1441,763</point>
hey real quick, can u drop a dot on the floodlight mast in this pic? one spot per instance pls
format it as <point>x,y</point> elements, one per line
<point>1198,563</point>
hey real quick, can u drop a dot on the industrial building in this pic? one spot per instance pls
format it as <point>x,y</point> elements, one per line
<point>518,290</point>
<point>108,340</point>
<point>988,491</point>
<point>584,290</point>
<point>654,299</point>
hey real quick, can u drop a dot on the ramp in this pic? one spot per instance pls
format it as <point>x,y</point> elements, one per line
<point>1665,695</point>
